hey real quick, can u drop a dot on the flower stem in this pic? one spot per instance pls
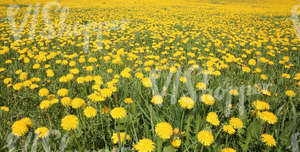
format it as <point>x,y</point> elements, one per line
<point>182,118</point>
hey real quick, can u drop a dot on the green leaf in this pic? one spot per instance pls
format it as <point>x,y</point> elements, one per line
<point>169,149</point>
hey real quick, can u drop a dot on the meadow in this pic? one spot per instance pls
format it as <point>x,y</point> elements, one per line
<point>163,76</point>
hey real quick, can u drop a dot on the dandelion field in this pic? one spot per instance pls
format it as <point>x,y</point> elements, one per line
<point>165,76</point>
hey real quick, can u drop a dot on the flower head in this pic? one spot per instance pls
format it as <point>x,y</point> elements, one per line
<point>43,92</point>
<point>118,113</point>
<point>144,145</point>
<point>208,99</point>
<point>261,105</point>
<point>77,103</point>
<point>157,99</point>
<point>176,143</point>
<point>186,102</point>
<point>69,122</point>
<point>268,140</point>
<point>212,118</point>
<point>236,123</point>
<point>229,129</point>
<point>205,137</point>
<point>227,149</point>
<point>90,112</point>
<point>164,130</point>
<point>147,82</point>
<point>42,132</point>
<point>268,117</point>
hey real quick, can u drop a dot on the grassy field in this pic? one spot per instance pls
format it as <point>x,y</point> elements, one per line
<point>182,75</point>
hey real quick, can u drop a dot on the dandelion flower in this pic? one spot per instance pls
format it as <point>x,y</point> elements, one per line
<point>42,132</point>
<point>118,113</point>
<point>234,92</point>
<point>128,100</point>
<point>227,149</point>
<point>45,104</point>
<point>201,86</point>
<point>62,92</point>
<point>268,117</point>
<point>144,145</point>
<point>261,105</point>
<point>157,99</point>
<point>205,137</point>
<point>268,140</point>
<point>208,99</point>
<point>229,129</point>
<point>176,143</point>
<point>77,103</point>
<point>164,130</point>
<point>19,128</point>
<point>69,122</point>
<point>290,93</point>
<point>90,112</point>
<point>236,123</point>
<point>43,92</point>
<point>186,102</point>
<point>66,101</point>
<point>147,82</point>
<point>4,108</point>
<point>212,118</point>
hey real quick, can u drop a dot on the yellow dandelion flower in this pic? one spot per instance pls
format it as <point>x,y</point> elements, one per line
<point>234,92</point>
<point>66,101</point>
<point>186,102</point>
<point>118,113</point>
<point>77,103</point>
<point>268,117</point>
<point>183,79</point>
<point>236,123</point>
<point>62,92</point>
<point>4,108</point>
<point>128,100</point>
<point>43,92</point>
<point>227,149</point>
<point>69,122</point>
<point>90,112</point>
<point>212,118</point>
<point>176,143</point>
<point>201,86</point>
<point>268,140</point>
<point>164,130</point>
<point>147,82</point>
<point>50,73</point>
<point>144,145</point>
<point>42,132</point>
<point>229,129</point>
<point>19,128</point>
<point>45,104</point>
<point>139,75</point>
<point>290,93</point>
<point>208,99</point>
<point>252,62</point>
<point>205,137</point>
<point>157,99</point>
<point>261,105</point>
